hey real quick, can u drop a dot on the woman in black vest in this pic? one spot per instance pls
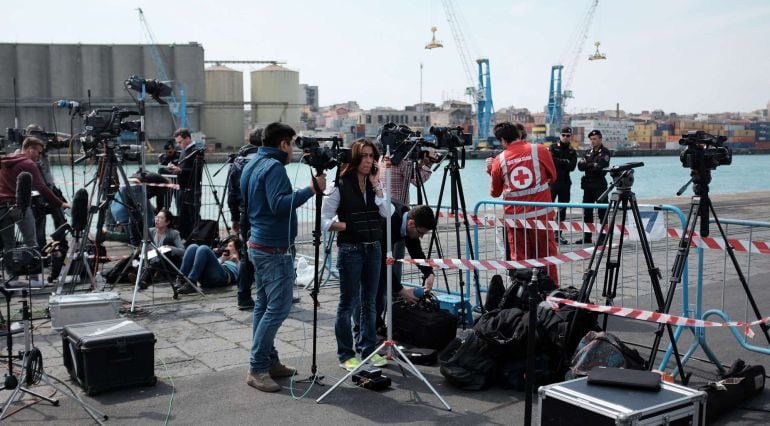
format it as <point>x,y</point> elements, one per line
<point>359,206</point>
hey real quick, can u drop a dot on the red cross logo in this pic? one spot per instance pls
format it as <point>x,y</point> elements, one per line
<point>521,177</point>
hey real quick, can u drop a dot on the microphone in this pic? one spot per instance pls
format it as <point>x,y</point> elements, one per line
<point>63,103</point>
<point>23,191</point>
<point>73,106</point>
<point>80,210</point>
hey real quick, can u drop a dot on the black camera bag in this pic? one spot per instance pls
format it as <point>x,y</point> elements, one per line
<point>424,325</point>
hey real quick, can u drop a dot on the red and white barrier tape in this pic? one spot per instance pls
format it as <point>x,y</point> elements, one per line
<point>657,317</point>
<point>743,246</point>
<point>498,265</point>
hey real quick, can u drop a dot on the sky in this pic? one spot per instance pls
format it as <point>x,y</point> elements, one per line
<point>684,56</point>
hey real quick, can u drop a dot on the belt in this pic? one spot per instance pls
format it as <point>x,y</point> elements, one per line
<point>267,249</point>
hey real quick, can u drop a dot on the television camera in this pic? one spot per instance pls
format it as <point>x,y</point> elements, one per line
<point>322,157</point>
<point>14,136</point>
<point>451,137</point>
<point>704,151</point>
<point>405,143</point>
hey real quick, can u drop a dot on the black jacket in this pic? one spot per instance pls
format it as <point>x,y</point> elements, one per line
<point>565,159</point>
<point>413,246</point>
<point>192,169</point>
<point>594,162</point>
<point>362,218</point>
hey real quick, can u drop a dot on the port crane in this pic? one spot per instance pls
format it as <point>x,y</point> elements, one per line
<point>559,91</point>
<point>481,93</point>
<point>178,108</point>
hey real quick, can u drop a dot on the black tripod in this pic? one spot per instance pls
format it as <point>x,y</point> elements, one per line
<point>700,206</point>
<point>413,157</point>
<point>219,203</point>
<point>623,200</point>
<point>32,371</point>
<point>457,206</point>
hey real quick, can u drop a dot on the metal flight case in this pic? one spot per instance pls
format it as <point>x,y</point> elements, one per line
<point>576,403</point>
<point>107,355</point>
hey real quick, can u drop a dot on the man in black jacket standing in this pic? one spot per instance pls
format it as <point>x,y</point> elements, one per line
<point>190,174</point>
<point>594,183</point>
<point>565,160</point>
<point>407,225</point>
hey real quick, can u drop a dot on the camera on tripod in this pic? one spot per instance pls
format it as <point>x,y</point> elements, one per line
<point>451,137</point>
<point>322,157</point>
<point>404,143</point>
<point>16,137</point>
<point>703,150</point>
<point>108,123</point>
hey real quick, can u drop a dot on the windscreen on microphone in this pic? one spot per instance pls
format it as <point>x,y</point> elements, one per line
<point>23,191</point>
<point>80,210</point>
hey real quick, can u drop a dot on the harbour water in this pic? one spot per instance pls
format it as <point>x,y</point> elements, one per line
<point>660,177</point>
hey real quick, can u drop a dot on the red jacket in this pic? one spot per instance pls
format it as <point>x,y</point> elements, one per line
<point>523,172</point>
<point>10,167</point>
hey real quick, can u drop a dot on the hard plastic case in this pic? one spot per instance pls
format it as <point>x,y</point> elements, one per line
<point>576,402</point>
<point>107,355</point>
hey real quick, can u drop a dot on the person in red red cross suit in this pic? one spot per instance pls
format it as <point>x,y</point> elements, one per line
<point>523,172</point>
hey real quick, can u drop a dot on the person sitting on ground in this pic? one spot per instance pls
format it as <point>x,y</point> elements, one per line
<point>164,236</point>
<point>201,265</point>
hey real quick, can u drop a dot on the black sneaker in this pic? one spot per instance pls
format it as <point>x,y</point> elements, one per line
<point>187,289</point>
<point>583,242</point>
<point>563,241</point>
<point>247,305</point>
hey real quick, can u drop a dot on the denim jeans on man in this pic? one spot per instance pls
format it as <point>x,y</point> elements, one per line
<point>201,264</point>
<point>359,268</point>
<point>274,278</point>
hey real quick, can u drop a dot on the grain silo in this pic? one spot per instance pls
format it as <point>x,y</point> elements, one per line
<point>223,107</point>
<point>275,96</point>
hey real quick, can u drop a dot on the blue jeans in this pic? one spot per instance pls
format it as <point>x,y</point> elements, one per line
<point>359,268</point>
<point>274,278</point>
<point>201,264</point>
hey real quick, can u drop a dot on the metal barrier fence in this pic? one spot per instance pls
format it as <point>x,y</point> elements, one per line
<point>750,241</point>
<point>634,284</point>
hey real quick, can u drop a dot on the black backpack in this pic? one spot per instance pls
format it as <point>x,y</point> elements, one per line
<point>467,363</point>
<point>205,233</point>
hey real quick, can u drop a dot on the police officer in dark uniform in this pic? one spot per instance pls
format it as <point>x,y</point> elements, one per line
<point>565,159</point>
<point>594,183</point>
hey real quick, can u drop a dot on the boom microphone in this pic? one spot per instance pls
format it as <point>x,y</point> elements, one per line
<point>80,210</point>
<point>63,103</point>
<point>23,191</point>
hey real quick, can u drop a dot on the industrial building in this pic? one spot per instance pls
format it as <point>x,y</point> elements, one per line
<point>44,73</point>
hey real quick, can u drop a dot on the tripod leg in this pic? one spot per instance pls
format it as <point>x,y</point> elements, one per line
<point>731,252</point>
<point>461,196</point>
<point>654,274</point>
<point>680,262</point>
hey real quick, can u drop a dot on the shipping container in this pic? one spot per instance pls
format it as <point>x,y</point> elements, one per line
<point>764,145</point>
<point>741,145</point>
<point>742,139</point>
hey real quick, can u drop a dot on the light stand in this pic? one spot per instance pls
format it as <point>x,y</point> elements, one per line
<point>147,242</point>
<point>314,376</point>
<point>32,371</point>
<point>393,352</point>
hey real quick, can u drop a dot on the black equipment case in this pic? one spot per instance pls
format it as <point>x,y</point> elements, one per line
<point>109,354</point>
<point>423,325</point>
<point>577,403</point>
